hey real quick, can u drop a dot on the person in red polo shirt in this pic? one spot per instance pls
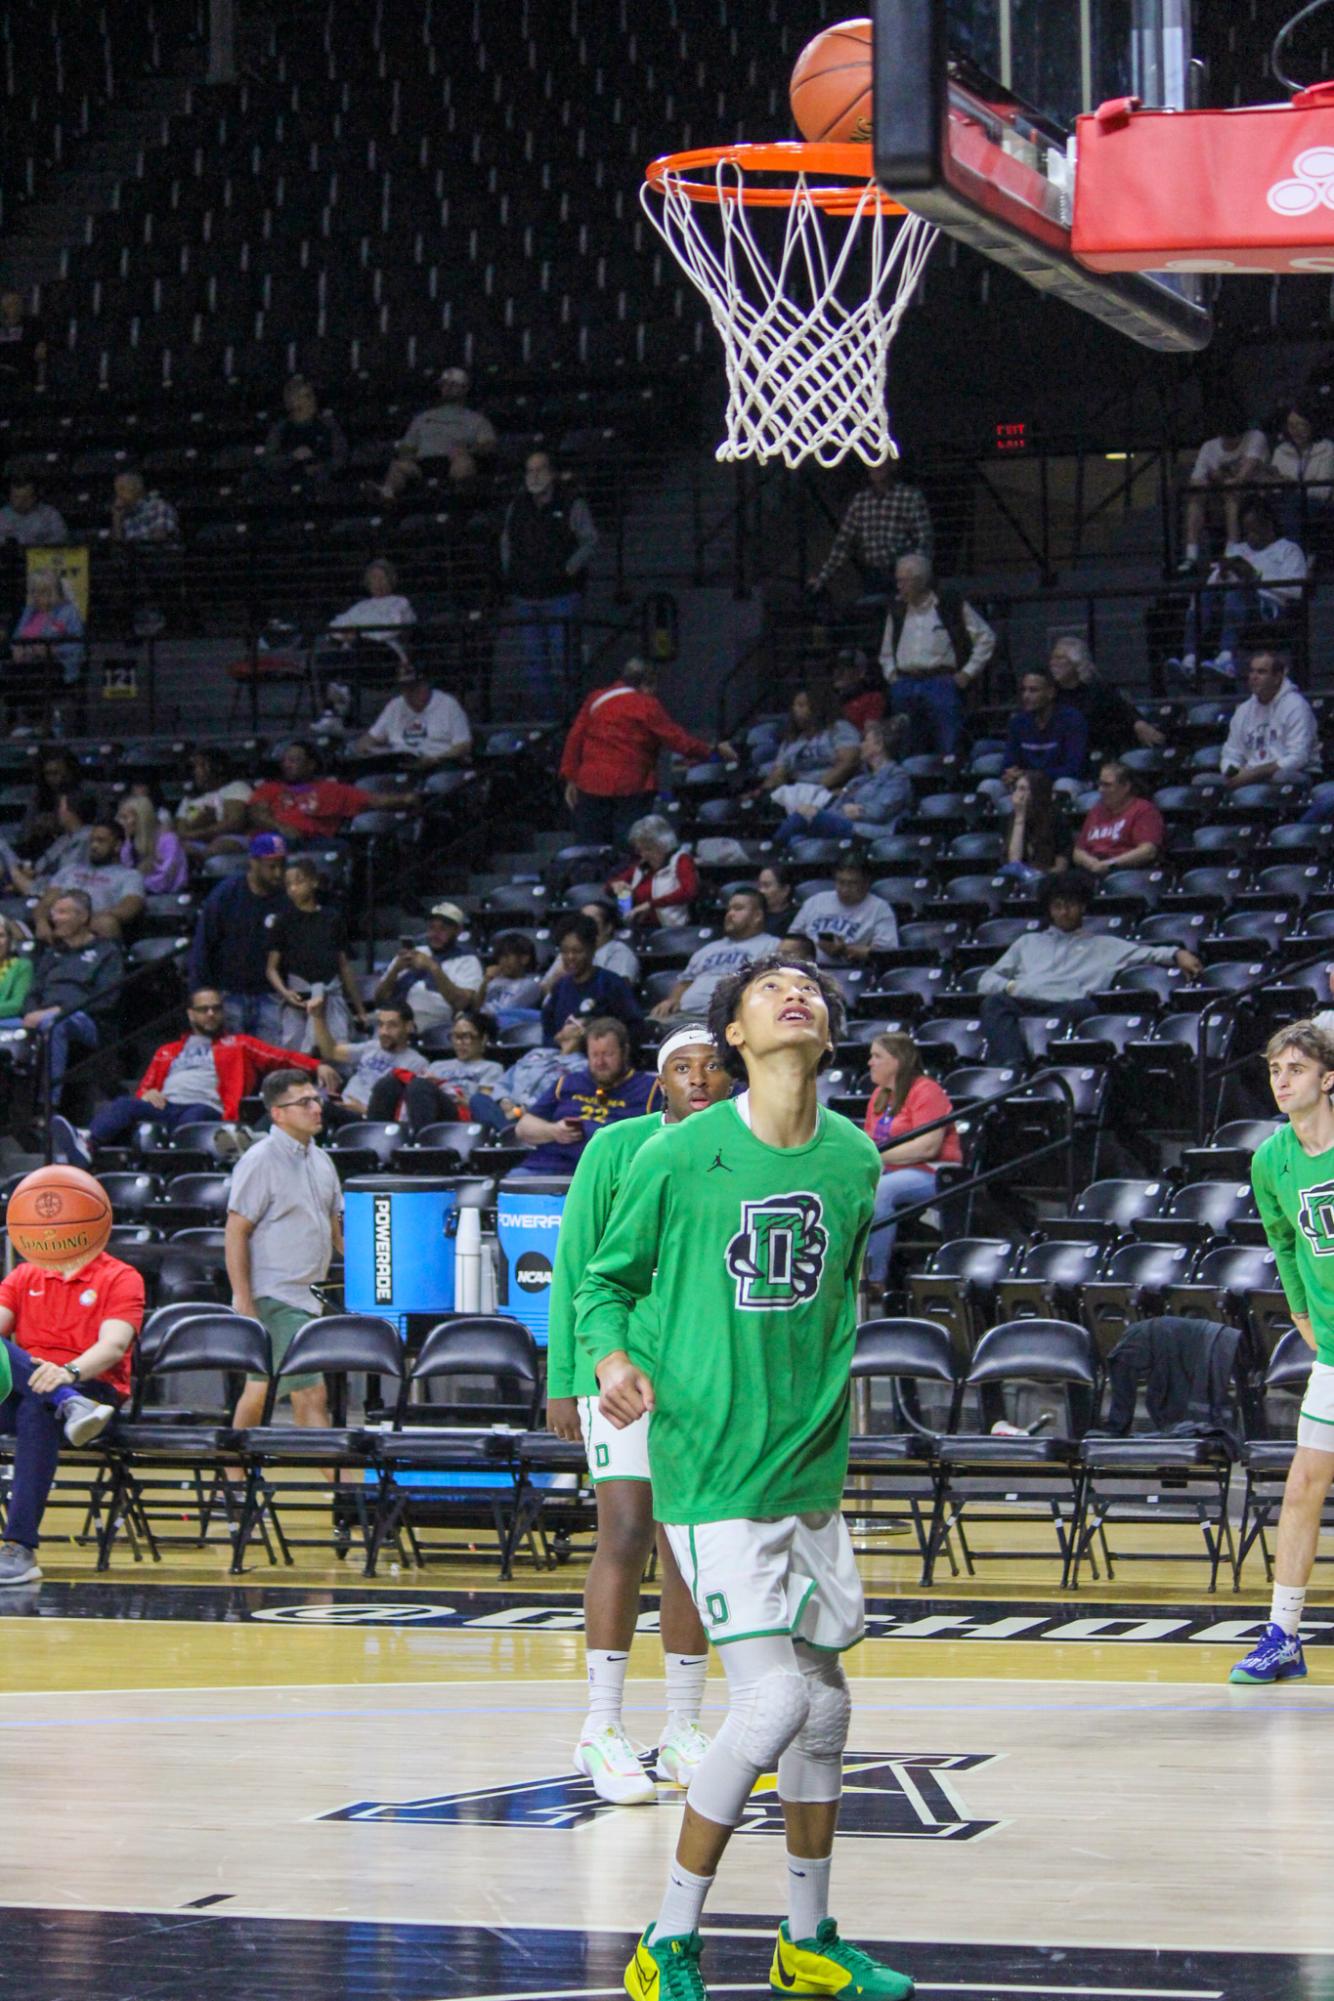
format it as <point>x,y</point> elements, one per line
<point>610,760</point>
<point>66,1333</point>
<point>1124,830</point>
<point>305,806</point>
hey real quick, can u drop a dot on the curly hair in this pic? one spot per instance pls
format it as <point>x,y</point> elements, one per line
<point>727,997</point>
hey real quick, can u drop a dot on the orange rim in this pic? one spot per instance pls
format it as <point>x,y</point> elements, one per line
<point>787,156</point>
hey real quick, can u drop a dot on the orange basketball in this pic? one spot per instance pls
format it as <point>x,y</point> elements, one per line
<point>57,1214</point>
<point>831,85</point>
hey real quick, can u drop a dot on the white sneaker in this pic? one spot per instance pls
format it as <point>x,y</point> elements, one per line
<point>1224,664</point>
<point>608,1758</point>
<point>680,1751</point>
<point>85,1419</point>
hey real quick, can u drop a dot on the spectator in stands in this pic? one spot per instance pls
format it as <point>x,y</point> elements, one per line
<point>304,806</point>
<point>847,922</point>
<point>49,630</point>
<point>29,520</point>
<point>775,884</point>
<point>140,516</point>
<point>546,546</point>
<point>429,974</point>
<point>584,988</point>
<point>74,985</point>
<point>1259,577</point>
<point>146,845</point>
<point>1057,971</point>
<point>889,518</point>
<point>610,760</point>
<point>115,893</point>
<point>461,1086</point>
<point>532,1075</point>
<point>1273,735</point>
<point>935,646</point>
<point>511,991</point>
<point>59,774</point>
<point>1112,720</point>
<point>16,969</point>
<point>23,349</point>
<point>1124,829</point>
<point>387,1053</point>
<point>1039,841</point>
<point>284,1226</point>
<point>233,934</point>
<point>377,619</point>
<point>421,722</point>
<point>1302,469</point>
<point>1046,734</point>
<point>870,804</point>
<point>579,1104</point>
<point>307,443</point>
<point>744,939</point>
<point>658,887</point>
<point>308,949</point>
<point>817,748</point>
<point>903,1098</point>
<point>199,1077</point>
<point>800,950</point>
<point>448,433</point>
<point>860,690</point>
<point>212,815</point>
<point>1225,465</point>
<point>74,816</point>
<point>612,952</point>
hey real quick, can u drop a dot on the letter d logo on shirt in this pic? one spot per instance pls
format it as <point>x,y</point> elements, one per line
<point>777,1256</point>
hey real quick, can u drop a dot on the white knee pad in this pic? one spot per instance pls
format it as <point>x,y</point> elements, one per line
<point>762,1719</point>
<point>811,1769</point>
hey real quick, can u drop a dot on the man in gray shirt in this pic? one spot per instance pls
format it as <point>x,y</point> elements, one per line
<point>371,1062</point>
<point>1056,972</point>
<point>847,922</point>
<point>115,892</point>
<point>29,520</point>
<point>284,1224</point>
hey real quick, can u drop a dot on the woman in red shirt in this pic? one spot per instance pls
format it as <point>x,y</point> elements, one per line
<point>662,882</point>
<point>902,1099</point>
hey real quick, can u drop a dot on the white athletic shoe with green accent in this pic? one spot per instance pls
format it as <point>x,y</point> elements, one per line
<point>683,1745</point>
<point>609,1759</point>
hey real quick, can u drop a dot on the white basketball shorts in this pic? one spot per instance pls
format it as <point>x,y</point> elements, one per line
<point>1315,1426</point>
<point>796,1575</point>
<point>613,1454</point>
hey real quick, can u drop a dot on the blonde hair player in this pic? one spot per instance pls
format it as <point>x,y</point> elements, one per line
<point>693,1077</point>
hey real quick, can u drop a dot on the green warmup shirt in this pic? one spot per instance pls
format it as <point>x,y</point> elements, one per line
<point>1294,1192</point>
<point>756,1251</point>
<point>588,1203</point>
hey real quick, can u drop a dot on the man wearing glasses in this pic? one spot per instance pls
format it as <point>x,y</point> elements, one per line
<point>202,1076</point>
<point>284,1226</point>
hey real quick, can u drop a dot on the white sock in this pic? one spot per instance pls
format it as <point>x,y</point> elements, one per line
<point>1286,1610</point>
<point>606,1687</point>
<point>683,1905</point>
<point>686,1675</point>
<point>807,1894</point>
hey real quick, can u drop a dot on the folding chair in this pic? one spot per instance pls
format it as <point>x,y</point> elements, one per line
<point>899,1465</point>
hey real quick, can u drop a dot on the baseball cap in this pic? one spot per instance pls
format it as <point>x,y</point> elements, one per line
<point>694,1037</point>
<point>450,911</point>
<point>267,844</point>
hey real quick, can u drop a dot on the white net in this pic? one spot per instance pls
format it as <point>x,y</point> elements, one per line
<point>806,372</point>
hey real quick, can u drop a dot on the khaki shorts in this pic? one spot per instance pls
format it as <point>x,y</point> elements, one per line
<point>282,1322</point>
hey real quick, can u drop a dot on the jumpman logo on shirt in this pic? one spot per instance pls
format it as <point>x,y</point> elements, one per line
<point>718,1161</point>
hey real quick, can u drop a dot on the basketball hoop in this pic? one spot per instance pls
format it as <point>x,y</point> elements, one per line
<point>805,371</point>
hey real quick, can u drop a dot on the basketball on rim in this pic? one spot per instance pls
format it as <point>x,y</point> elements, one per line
<point>57,1214</point>
<point>831,85</point>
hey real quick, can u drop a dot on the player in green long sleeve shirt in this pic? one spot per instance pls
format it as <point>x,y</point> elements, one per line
<point>693,1077</point>
<point>745,1231</point>
<point>1293,1177</point>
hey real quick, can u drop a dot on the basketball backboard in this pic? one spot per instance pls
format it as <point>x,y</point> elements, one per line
<point>975,103</point>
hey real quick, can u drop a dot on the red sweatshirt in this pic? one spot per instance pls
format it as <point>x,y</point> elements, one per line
<point>240,1061</point>
<point>614,741</point>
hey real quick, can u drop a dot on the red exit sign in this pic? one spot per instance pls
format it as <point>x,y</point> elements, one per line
<point>1011,437</point>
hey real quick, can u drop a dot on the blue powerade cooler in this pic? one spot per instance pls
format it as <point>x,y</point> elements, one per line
<point>399,1235</point>
<point>528,1214</point>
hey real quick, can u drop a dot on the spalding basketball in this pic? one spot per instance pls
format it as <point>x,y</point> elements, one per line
<point>831,85</point>
<point>57,1214</point>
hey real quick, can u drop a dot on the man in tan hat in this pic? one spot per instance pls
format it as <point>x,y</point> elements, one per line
<point>430,975</point>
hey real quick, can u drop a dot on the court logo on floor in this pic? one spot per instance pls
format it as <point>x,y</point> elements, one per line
<point>887,1795</point>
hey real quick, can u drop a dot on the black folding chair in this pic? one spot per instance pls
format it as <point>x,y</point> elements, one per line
<point>890,1471</point>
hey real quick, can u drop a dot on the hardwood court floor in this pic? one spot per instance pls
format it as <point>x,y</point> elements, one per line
<point>316,1787</point>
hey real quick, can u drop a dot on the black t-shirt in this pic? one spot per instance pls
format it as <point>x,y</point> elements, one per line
<point>18,358</point>
<point>314,434</point>
<point>308,942</point>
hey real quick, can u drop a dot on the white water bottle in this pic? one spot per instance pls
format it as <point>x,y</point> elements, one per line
<point>468,1262</point>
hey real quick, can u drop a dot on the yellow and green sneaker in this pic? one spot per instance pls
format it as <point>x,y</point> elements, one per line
<point>667,1970</point>
<point>827,1964</point>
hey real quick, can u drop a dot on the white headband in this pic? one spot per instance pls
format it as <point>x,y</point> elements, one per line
<point>694,1037</point>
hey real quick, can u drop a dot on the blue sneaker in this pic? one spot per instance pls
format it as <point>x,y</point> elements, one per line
<point>66,1146</point>
<point>1276,1656</point>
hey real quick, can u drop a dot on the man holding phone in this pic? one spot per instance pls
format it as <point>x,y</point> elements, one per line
<point>847,922</point>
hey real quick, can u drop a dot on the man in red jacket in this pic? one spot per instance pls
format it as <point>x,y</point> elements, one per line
<point>610,762</point>
<point>202,1076</point>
